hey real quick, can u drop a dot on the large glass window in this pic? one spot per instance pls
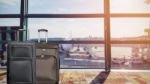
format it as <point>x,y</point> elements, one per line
<point>8,27</point>
<point>66,6</point>
<point>10,6</point>
<point>82,56</point>
<point>129,6</point>
<point>74,29</point>
<point>9,21</point>
<point>129,28</point>
<point>68,28</point>
<point>87,55</point>
<point>130,56</point>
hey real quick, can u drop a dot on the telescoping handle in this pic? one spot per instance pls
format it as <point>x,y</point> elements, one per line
<point>18,33</point>
<point>46,34</point>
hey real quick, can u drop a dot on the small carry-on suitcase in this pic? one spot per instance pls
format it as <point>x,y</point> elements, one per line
<point>47,61</point>
<point>21,63</point>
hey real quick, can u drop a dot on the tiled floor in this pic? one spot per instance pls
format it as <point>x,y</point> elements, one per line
<point>99,77</point>
<point>2,76</point>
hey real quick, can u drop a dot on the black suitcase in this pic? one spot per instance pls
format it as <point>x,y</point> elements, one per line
<point>21,63</point>
<point>47,61</point>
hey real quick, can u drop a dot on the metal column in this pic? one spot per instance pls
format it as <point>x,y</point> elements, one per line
<point>107,35</point>
<point>26,20</point>
<point>0,40</point>
<point>23,19</point>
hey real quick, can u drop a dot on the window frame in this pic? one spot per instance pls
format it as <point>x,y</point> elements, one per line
<point>107,26</point>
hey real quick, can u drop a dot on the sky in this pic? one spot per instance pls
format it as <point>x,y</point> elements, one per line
<point>79,27</point>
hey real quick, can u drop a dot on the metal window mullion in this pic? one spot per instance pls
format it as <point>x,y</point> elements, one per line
<point>22,15</point>
<point>26,19</point>
<point>107,35</point>
<point>129,15</point>
<point>0,40</point>
<point>64,15</point>
<point>130,42</point>
<point>112,15</point>
<point>9,15</point>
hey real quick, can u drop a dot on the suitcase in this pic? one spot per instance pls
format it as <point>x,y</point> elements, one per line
<point>47,61</point>
<point>21,63</point>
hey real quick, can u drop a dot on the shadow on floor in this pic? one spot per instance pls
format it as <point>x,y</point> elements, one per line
<point>100,78</point>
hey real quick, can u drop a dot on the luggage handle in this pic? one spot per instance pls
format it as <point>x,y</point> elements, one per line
<point>18,33</point>
<point>46,34</point>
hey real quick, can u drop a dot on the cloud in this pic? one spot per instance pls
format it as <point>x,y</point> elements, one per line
<point>9,2</point>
